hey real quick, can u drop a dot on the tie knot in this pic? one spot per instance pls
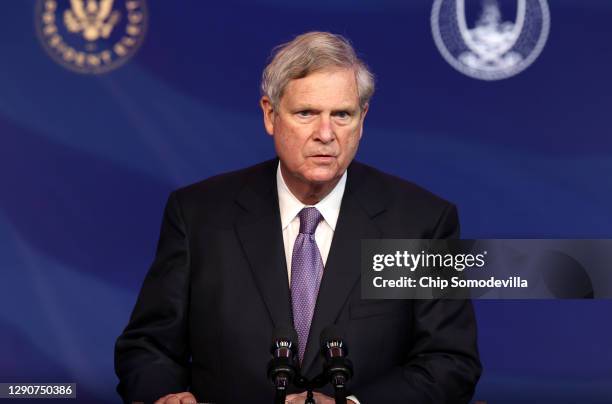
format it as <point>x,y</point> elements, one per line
<point>309,220</point>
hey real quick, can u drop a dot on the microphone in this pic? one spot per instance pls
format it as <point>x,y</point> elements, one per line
<point>282,366</point>
<point>338,368</point>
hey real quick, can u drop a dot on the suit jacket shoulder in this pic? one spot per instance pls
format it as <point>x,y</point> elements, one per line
<point>212,200</point>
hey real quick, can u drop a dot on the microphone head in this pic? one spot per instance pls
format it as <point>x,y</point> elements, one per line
<point>285,337</point>
<point>332,342</point>
<point>331,334</point>
<point>338,368</point>
<point>282,366</point>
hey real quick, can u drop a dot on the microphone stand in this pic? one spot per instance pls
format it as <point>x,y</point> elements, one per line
<point>340,395</point>
<point>310,385</point>
<point>281,390</point>
<point>339,383</point>
<point>318,382</point>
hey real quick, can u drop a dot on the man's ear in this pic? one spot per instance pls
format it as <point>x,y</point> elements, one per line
<point>268,114</point>
<point>364,111</point>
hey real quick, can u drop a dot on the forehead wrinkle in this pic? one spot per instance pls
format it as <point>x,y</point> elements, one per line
<point>313,93</point>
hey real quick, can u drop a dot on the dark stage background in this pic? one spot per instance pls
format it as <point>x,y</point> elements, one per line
<point>87,162</point>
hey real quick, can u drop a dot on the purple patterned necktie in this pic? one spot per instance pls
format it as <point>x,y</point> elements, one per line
<point>306,272</point>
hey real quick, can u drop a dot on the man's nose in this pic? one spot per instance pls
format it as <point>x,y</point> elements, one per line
<point>325,131</point>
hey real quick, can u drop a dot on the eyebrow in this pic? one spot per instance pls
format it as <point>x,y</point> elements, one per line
<point>312,108</point>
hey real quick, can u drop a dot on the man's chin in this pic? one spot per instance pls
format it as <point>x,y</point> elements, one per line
<point>323,178</point>
<point>323,160</point>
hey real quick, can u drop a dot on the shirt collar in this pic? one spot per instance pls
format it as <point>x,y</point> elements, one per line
<point>290,206</point>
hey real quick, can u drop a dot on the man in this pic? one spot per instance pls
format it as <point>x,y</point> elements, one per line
<point>279,243</point>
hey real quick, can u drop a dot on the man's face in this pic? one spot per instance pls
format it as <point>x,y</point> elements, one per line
<point>316,126</point>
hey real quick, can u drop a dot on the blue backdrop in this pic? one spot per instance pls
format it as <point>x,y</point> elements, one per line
<point>87,161</point>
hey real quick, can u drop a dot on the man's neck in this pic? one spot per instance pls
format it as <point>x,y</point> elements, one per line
<point>308,193</point>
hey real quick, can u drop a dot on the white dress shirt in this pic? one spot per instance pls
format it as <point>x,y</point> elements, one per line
<point>290,207</point>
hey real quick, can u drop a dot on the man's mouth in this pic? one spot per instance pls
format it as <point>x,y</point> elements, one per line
<point>323,155</point>
<point>324,159</point>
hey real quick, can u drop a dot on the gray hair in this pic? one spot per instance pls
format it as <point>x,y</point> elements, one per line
<point>309,53</point>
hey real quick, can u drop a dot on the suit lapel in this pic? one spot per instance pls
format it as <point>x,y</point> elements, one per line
<point>260,233</point>
<point>343,267</point>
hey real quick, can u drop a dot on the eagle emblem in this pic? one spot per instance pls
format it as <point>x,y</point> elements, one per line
<point>94,19</point>
<point>91,36</point>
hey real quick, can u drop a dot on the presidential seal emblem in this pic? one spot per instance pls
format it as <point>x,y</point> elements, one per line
<point>91,36</point>
<point>492,47</point>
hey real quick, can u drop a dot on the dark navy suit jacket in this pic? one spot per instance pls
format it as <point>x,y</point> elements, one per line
<point>218,286</point>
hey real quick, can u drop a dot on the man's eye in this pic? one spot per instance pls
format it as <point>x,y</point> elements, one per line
<point>305,113</point>
<point>342,114</point>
